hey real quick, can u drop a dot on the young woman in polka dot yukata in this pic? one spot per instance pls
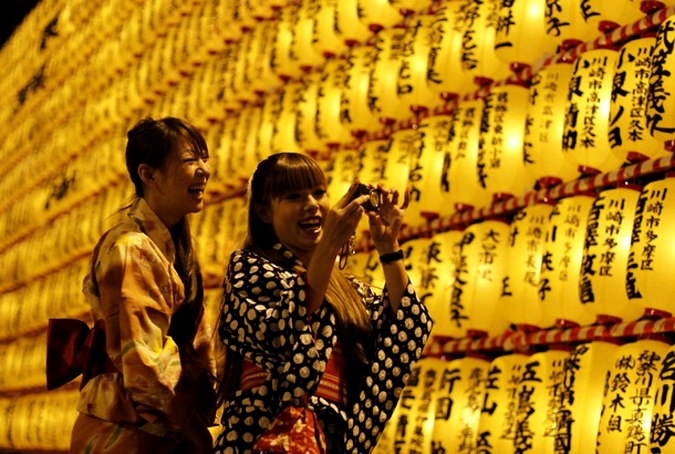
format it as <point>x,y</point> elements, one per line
<point>301,333</point>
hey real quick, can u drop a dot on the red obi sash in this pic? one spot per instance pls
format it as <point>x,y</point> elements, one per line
<point>332,385</point>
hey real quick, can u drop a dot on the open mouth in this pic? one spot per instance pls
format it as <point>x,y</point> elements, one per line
<point>312,224</point>
<point>197,190</point>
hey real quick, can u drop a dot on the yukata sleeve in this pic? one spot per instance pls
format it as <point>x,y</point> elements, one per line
<point>136,294</point>
<point>264,318</point>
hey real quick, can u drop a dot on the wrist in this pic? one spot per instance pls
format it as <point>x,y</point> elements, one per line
<point>383,249</point>
<point>391,257</point>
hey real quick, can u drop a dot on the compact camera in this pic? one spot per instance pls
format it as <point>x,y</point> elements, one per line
<point>375,197</point>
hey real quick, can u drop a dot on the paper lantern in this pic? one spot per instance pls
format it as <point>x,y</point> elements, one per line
<point>309,135</point>
<point>628,123</point>
<point>578,396</point>
<point>543,136</point>
<point>286,137</point>
<point>602,282</point>
<point>302,46</point>
<point>429,166</point>
<point>623,12</point>
<point>649,269</point>
<point>246,150</point>
<point>459,401</point>
<point>520,301</point>
<point>568,20</point>
<point>373,158</point>
<point>497,418</point>
<point>266,126</point>
<point>520,35</point>
<point>329,127</point>
<point>437,270</point>
<point>478,278</point>
<point>661,96</point>
<point>500,156</point>
<point>478,32</point>
<point>586,130</point>
<point>445,51</point>
<point>461,169</point>
<point>283,61</point>
<point>399,76</point>
<point>341,173</point>
<point>362,111</point>
<point>326,36</point>
<point>628,397</point>
<point>348,20</point>
<point>561,263</point>
<point>661,433</point>
<point>399,154</point>
<point>380,13</point>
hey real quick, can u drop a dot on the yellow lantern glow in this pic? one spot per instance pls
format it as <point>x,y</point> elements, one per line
<point>326,36</point>
<point>543,137</point>
<point>500,156</point>
<point>628,397</point>
<point>283,62</point>
<point>602,283</point>
<point>399,155</point>
<point>431,164</point>
<point>373,159</point>
<point>478,278</point>
<point>459,401</point>
<point>567,20</point>
<point>624,12</point>
<point>520,35</point>
<point>497,417</point>
<point>445,51</point>
<point>520,296</point>
<point>561,265</point>
<point>379,13</point>
<point>461,174</point>
<point>308,132</point>
<point>628,124</point>
<point>661,96</point>
<point>286,130</point>
<point>438,275</point>
<point>648,279</point>
<point>416,254</point>
<point>354,30</point>
<point>661,435</point>
<point>362,114</point>
<point>329,112</point>
<point>341,172</point>
<point>302,47</point>
<point>586,130</point>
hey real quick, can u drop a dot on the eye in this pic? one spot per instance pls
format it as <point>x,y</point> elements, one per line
<point>318,193</point>
<point>292,196</point>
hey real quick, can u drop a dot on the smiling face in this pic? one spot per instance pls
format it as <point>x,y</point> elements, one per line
<point>297,219</point>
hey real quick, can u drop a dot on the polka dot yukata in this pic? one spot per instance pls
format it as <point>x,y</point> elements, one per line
<point>264,318</point>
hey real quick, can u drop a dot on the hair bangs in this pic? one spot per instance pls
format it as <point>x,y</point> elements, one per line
<point>295,172</point>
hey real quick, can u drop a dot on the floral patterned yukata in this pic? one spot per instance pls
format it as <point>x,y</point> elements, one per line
<point>135,289</point>
<point>264,318</point>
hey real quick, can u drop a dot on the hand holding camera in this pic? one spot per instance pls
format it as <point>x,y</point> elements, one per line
<point>375,197</point>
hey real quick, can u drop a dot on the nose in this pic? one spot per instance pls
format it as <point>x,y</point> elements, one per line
<point>311,203</point>
<point>204,168</point>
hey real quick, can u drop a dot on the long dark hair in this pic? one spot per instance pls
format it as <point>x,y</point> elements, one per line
<point>285,172</point>
<point>151,142</point>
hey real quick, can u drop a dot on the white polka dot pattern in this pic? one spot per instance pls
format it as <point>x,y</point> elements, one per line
<point>277,337</point>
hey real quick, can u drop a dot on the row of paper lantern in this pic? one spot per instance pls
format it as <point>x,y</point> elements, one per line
<point>39,422</point>
<point>596,397</point>
<point>580,260</point>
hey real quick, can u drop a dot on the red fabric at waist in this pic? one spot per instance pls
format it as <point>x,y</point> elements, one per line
<point>331,387</point>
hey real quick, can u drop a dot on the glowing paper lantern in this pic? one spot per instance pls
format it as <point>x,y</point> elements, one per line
<point>283,61</point>
<point>310,136</point>
<point>628,398</point>
<point>326,36</point>
<point>500,146</point>
<point>445,51</point>
<point>286,129</point>
<point>497,417</point>
<point>302,47</point>
<point>648,278</point>
<point>400,151</point>
<point>437,268</point>
<point>477,55</point>
<point>520,296</point>
<point>363,114</point>
<point>459,401</point>
<point>661,97</point>
<point>341,172</point>
<point>602,283</point>
<point>542,147</point>
<point>520,35</point>
<point>416,253</point>
<point>478,278</point>
<point>258,59</point>
<point>568,20</point>
<point>461,168</point>
<point>373,159</point>
<point>380,13</point>
<point>348,21</point>
<point>624,12</point>
<point>628,124</point>
<point>266,127</point>
<point>329,126</point>
<point>577,406</point>
<point>561,265</point>
<point>429,167</point>
<point>661,434</point>
<point>586,131</point>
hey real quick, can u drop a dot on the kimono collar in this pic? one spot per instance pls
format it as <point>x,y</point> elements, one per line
<point>297,263</point>
<point>151,225</point>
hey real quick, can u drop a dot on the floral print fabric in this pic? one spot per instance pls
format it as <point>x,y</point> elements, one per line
<point>134,288</point>
<point>264,319</point>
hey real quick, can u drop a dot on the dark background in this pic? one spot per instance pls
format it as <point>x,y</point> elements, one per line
<point>12,13</point>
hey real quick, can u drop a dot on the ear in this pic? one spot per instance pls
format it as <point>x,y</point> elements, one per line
<point>147,174</point>
<point>263,212</point>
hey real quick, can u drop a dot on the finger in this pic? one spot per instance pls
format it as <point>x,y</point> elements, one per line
<point>347,196</point>
<point>406,199</point>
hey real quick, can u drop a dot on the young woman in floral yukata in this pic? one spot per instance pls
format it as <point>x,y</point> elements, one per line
<point>146,295</point>
<point>301,333</point>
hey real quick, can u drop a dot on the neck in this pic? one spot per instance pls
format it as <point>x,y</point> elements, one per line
<point>168,219</point>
